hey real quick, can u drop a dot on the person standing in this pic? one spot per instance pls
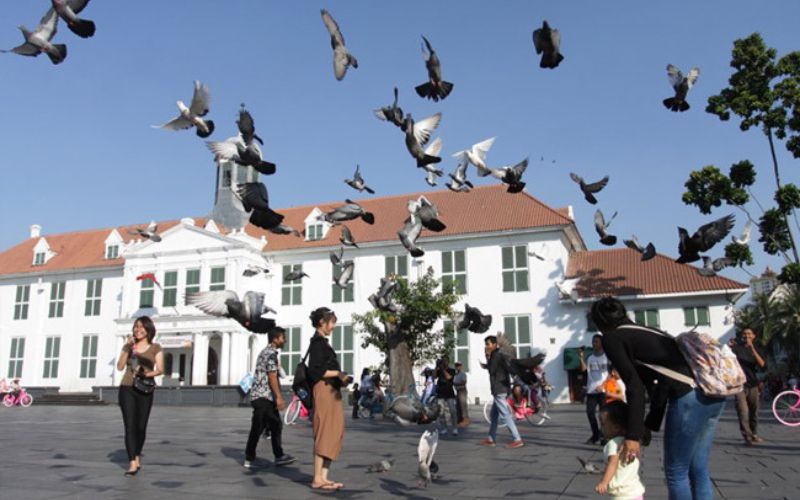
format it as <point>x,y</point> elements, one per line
<point>596,368</point>
<point>326,379</point>
<point>752,359</point>
<point>267,401</point>
<point>460,384</point>
<point>498,366</point>
<point>140,357</point>
<point>447,395</point>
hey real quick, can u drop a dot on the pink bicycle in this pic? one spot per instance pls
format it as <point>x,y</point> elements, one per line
<point>786,407</point>
<point>295,409</point>
<point>22,398</point>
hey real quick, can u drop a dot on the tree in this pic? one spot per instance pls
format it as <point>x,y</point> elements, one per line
<point>776,318</point>
<point>764,92</point>
<point>408,337</point>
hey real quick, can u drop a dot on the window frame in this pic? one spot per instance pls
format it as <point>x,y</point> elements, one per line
<point>22,300</point>
<point>190,287</point>
<point>214,286</point>
<point>52,351</point>
<point>170,291</point>
<point>339,295</point>
<point>515,340</point>
<point>390,265</point>
<point>94,294</point>
<point>88,366</point>
<point>518,252</point>
<point>56,305</point>
<point>696,316</point>
<point>147,288</point>
<point>339,338</point>
<point>39,258</point>
<point>460,350</point>
<point>292,350</point>
<point>16,357</point>
<point>646,315</point>
<point>452,276</point>
<point>315,231</point>
<point>291,291</point>
<point>112,251</point>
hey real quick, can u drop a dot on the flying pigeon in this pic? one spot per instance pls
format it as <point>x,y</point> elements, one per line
<point>149,276</point>
<point>427,213</point>
<point>418,134</point>
<point>391,113</point>
<point>295,275</point>
<point>150,232</point>
<point>745,239</point>
<point>474,321</point>
<point>382,466</point>
<point>382,300</point>
<point>254,197</point>
<point>283,229</point>
<point>476,154</point>
<point>357,182</point>
<point>336,259</point>
<point>409,409</point>
<point>192,116</point>
<point>341,57</point>
<point>542,254</point>
<point>459,182</point>
<point>68,10</point>
<point>351,210</point>
<point>435,88</point>
<point>432,173</point>
<point>509,175</point>
<point>567,289</point>
<point>587,467</point>
<point>589,190</point>
<point>681,84</point>
<point>601,226</point>
<point>703,239</point>
<point>225,303</point>
<point>711,267</point>
<point>38,40</point>
<point>237,150</point>
<point>647,252</point>
<point>253,270</point>
<point>346,237</point>
<point>547,41</point>
<point>346,275</point>
<point>408,236</point>
<point>247,126</point>
<point>425,452</point>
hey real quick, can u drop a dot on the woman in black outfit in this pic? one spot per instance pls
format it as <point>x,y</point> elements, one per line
<point>691,416</point>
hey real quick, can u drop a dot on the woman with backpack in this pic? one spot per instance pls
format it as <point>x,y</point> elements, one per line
<point>691,416</point>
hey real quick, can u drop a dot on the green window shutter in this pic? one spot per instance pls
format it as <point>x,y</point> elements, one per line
<point>461,261</point>
<point>508,281</point>
<point>688,316</point>
<point>447,262</point>
<point>524,330</point>
<point>297,296</point>
<point>521,254</point>
<point>402,265</point>
<point>347,362</point>
<point>336,338</point>
<point>510,328</point>
<point>388,265</point>
<point>639,318</point>
<point>286,296</point>
<point>295,334</point>
<point>85,347</point>
<point>171,278</point>
<point>652,318</point>
<point>348,338</point>
<point>703,317</point>
<point>447,282</point>
<point>57,347</point>
<point>508,258</point>
<point>521,280</point>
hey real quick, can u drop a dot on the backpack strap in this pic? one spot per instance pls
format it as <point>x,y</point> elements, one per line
<point>667,372</point>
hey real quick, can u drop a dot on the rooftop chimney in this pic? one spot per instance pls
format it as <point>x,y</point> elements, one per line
<point>36,231</point>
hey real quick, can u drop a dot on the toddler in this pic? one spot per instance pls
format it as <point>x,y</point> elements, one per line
<point>620,481</point>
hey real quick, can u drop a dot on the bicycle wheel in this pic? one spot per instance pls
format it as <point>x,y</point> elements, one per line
<point>487,414</point>
<point>26,400</point>
<point>8,401</point>
<point>292,412</point>
<point>786,408</point>
<point>363,412</point>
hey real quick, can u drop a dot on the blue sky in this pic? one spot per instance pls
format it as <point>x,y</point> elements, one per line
<point>79,152</point>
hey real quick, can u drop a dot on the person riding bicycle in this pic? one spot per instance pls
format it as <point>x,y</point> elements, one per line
<point>519,399</point>
<point>16,388</point>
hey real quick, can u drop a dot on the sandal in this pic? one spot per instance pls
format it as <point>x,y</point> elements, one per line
<point>325,486</point>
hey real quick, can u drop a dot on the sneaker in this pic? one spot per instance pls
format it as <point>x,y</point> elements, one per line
<point>515,444</point>
<point>465,422</point>
<point>487,442</point>
<point>248,464</point>
<point>285,460</point>
<point>443,432</point>
<point>455,432</point>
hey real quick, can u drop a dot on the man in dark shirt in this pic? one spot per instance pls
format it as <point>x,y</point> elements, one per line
<point>446,395</point>
<point>752,359</point>
<point>498,366</point>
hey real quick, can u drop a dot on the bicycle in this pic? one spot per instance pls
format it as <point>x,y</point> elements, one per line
<point>21,398</point>
<point>531,410</point>
<point>786,407</point>
<point>294,410</point>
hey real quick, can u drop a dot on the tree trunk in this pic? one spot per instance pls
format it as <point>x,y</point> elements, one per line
<point>778,183</point>
<point>400,367</point>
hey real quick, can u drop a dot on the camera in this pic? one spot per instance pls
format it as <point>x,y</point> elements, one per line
<point>348,380</point>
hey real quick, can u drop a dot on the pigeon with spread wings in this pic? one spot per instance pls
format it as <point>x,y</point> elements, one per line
<point>435,88</point>
<point>68,10</point>
<point>192,116</point>
<point>601,226</point>
<point>681,84</point>
<point>149,233</point>
<point>393,113</point>
<point>255,200</point>
<point>474,320</point>
<point>547,41</point>
<point>703,239</point>
<point>357,182</point>
<point>712,266</point>
<point>589,190</point>
<point>349,211</point>
<point>247,312</point>
<point>647,252</point>
<point>417,136</point>
<point>342,59</point>
<point>38,40</point>
<point>427,213</point>
<point>425,452</point>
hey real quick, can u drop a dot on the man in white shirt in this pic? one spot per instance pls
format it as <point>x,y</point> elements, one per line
<point>596,368</point>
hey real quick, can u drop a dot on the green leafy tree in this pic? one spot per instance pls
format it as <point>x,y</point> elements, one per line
<point>776,319</point>
<point>408,337</point>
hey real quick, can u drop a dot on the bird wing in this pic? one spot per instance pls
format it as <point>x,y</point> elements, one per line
<point>227,150</point>
<point>48,25</point>
<point>633,244</point>
<point>201,99</point>
<point>179,123</point>
<point>745,239</point>
<point>152,227</point>
<point>712,233</point>
<point>538,42</point>
<point>423,129</point>
<point>346,234</point>
<point>77,5</point>
<point>332,26</point>
<point>483,147</point>
<point>520,167</point>
<point>213,303</point>
<point>720,264</point>
<point>254,195</point>
<point>357,176</point>
<point>675,76</point>
<point>596,186</point>
<point>434,148</point>
<point>692,76</point>
<point>575,177</point>
<point>599,223</point>
<point>555,39</point>
<point>26,49</point>
<point>340,61</point>
<point>247,126</point>
<point>427,447</point>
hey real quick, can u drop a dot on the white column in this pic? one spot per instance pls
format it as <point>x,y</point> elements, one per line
<point>116,376</point>
<point>200,360</point>
<point>224,361</point>
<point>239,363</point>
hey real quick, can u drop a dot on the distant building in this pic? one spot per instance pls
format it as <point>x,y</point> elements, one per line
<point>764,284</point>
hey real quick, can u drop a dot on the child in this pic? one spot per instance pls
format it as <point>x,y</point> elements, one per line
<point>614,387</point>
<point>620,481</point>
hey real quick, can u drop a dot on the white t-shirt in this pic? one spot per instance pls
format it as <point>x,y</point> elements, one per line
<point>626,483</point>
<point>596,372</point>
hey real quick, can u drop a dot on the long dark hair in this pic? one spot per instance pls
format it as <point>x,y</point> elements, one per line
<point>321,315</point>
<point>608,313</point>
<point>148,326</point>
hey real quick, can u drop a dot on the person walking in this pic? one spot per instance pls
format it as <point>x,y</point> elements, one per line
<point>752,359</point>
<point>267,401</point>
<point>447,396</point>
<point>691,416</point>
<point>326,379</point>
<point>460,384</point>
<point>140,358</point>
<point>498,366</point>
<point>596,368</point>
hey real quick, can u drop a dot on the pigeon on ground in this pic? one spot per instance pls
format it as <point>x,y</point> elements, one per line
<point>459,183</point>
<point>425,452</point>
<point>745,238</point>
<point>427,213</point>
<point>283,229</point>
<point>346,237</point>
<point>349,211</point>
<point>408,236</point>
<point>681,84</point>
<point>357,182</point>
<point>391,113</point>
<point>336,258</point>
<point>601,226</point>
<point>587,467</point>
<point>253,270</point>
<point>295,276</point>
<point>476,154</point>
<point>38,40</point>
<point>192,116</point>
<point>149,276</point>
<point>383,299</point>
<point>712,266</point>
<point>418,134</point>
<point>341,57</point>
<point>68,10</point>
<point>408,410</point>
<point>474,321</point>
<point>255,198</point>
<point>647,252</point>
<point>382,466</point>
<point>149,233</point>
<point>346,275</point>
<point>225,303</point>
<point>435,88</point>
<point>236,150</point>
<point>547,41</point>
<point>567,289</point>
<point>703,239</point>
<point>589,190</point>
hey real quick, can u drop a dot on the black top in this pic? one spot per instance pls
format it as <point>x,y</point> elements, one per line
<point>498,374</point>
<point>627,347</point>
<point>748,362</point>
<point>444,387</point>
<point>321,358</point>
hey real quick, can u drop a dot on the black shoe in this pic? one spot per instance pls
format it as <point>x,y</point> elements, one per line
<point>591,440</point>
<point>603,442</point>
<point>284,460</point>
<point>131,472</point>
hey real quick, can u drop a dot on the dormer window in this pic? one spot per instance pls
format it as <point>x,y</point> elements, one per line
<point>42,253</point>
<point>39,258</point>
<point>314,232</point>
<point>113,242</point>
<point>316,228</point>
<point>112,252</point>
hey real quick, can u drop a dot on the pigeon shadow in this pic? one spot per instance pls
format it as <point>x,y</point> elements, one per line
<point>234,454</point>
<point>399,489</point>
<point>167,484</point>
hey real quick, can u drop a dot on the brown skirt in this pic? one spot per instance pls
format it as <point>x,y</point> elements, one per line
<point>328,421</point>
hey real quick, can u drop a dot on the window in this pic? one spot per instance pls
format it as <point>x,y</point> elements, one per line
<point>341,294</point>
<point>217,279</point>
<point>696,316</point>
<point>314,232</point>
<point>646,317</point>
<point>38,258</point>
<point>146,293</point>
<point>112,251</point>
<point>518,331</point>
<point>397,264</point>
<point>52,347</point>
<point>89,356</point>
<point>515,269</point>
<point>56,300</point>
<point>291,291</point>
<point>192,281</point>
<point>242,174</point>
<point>342,343</point>
<point>21,301</point>
<point>94,289</point>
<point>454,270</point>
<point>460,351</point>
<point>15,357</point>
<point>170,298</point>
<point>226,175</point>
<point>290,353</point>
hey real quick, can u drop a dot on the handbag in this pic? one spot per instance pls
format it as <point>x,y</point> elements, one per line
<point>247,383</point>
<point>144,385</point>
<point>300,385</point>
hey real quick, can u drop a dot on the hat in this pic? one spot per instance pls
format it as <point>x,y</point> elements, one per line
<point>459,363</point>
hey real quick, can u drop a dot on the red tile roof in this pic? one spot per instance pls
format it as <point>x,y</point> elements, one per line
<point>621,272</point>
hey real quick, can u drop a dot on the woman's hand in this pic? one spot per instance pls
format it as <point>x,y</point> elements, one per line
<point>631,450</point>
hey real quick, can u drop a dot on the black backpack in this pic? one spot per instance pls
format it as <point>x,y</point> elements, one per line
<point>300,385</point>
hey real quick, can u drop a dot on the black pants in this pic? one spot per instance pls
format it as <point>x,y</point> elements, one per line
<point>135,413</point>
<point>593,401</point>
<point>265,414</point>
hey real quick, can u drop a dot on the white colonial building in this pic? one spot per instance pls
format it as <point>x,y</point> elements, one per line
<point>67,301</point>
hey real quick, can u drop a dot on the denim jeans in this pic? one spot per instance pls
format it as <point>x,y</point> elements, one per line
<point>500,410</point>
<point>689,430</point>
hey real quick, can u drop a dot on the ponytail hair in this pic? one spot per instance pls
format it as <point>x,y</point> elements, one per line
<point>608,313</point>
